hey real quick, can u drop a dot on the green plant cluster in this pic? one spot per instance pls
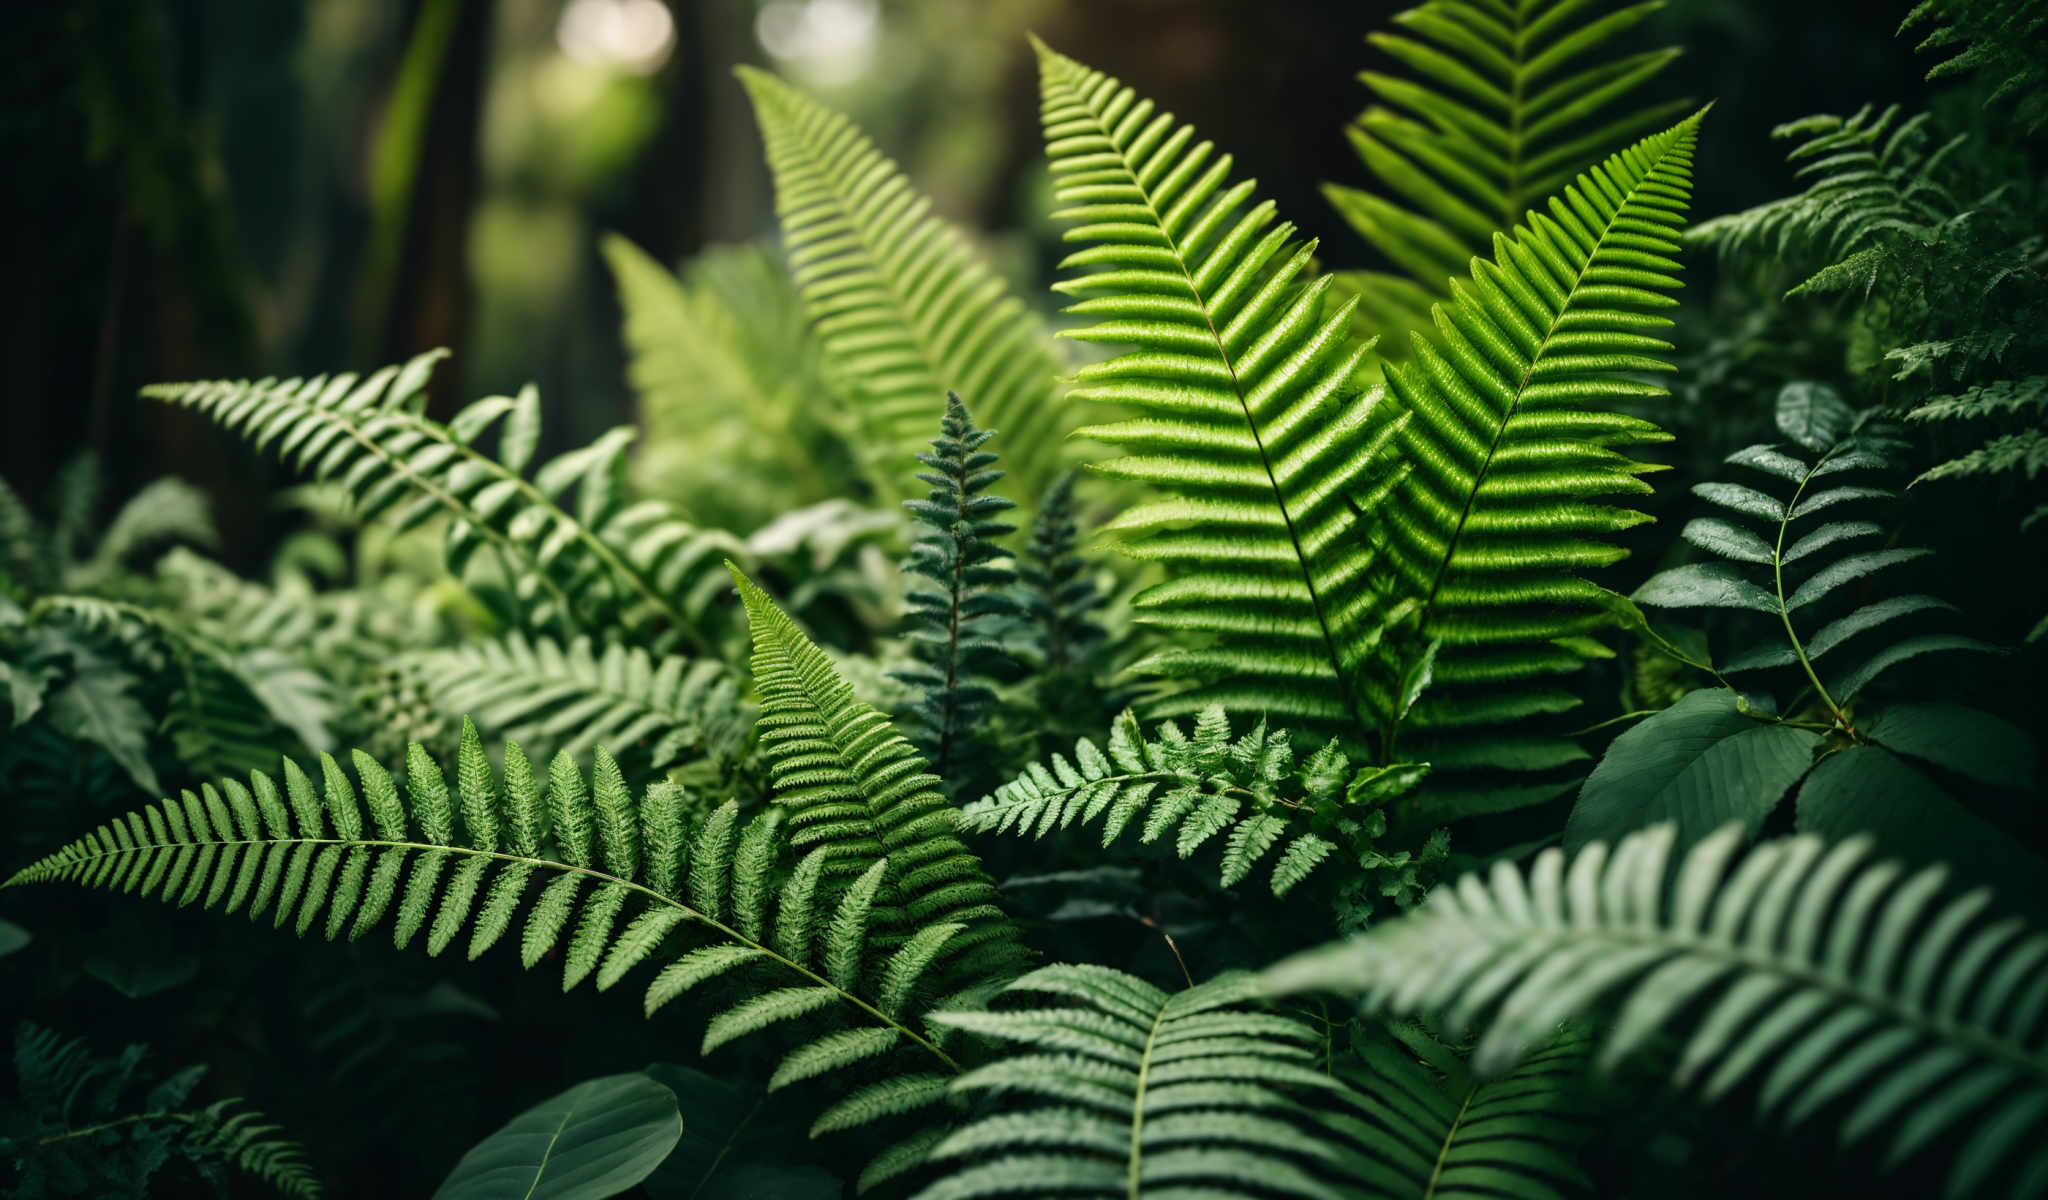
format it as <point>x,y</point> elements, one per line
<point>1356,772</point>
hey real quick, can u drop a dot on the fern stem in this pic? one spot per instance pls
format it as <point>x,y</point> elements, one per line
<point>1785,614</point>
<point>103,1126</point>
<point>605,877</point>
<point>1133,1171</point>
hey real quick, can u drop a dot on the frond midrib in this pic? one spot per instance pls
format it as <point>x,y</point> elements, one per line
<point>41,872</point>
<point>1336,659</point>
<point>1134,1171</point>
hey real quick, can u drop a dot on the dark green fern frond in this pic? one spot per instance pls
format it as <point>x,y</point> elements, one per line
<point>1060,594</point>
<point>1247,795</point>
<point>1780,557</point>
<point>2004,41</point>
<point>858,794</point>
<point>609,883</point>
<point>1507,104</point>
<point>1249,421</point>
<point>963,597</point>
<point>1441,1131</point>
<point>1834,983</point>
<point>85,1125</point>
<point>1515,443</point>
<point>2016,413</point>
<point>1114,1088</point>
<point>906,312</point>
<point>607,566</point>
<point>657,714</point>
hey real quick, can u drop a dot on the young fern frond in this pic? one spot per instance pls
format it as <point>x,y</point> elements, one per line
<point>905,311</point>
<point>967,580</point>
<point>1439,1130</point>
<point>1117,1089</point>
<point>1505,108</point>
<point>1515,443</point>
<point>1834,982</point>
<point>613,884</point>
<point>1247,795</point>
<point>1060,593</point>
<point>1248,419</point>
<point>608,566</point>
<point>1776,560</point>
<point>857,794</point>
<point>663,712</point>
<point>80,1131</point>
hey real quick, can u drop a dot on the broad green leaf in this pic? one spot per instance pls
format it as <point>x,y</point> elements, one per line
<point>1973,744</point>
<point>1813,414</point>
<point>1701,763</point>
<point>1704,585</point>
<point>593,1141</point>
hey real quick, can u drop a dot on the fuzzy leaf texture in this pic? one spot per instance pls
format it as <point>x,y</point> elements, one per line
<point>1515,445</point>
<point>607,566</point>
<point>904,309</point>
<point>1247,419</point>
<point>1833,983</point>
<point>960,597</point>
<point>1495,105</point>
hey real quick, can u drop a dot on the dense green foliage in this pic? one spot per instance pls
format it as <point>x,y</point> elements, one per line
<point>1404,789</point>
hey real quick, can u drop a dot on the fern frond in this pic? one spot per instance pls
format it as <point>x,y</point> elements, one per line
<point>857,793</point>
<point>1780,557</point>
<point>905,311</point>
<point>1834,982</point>
<point>1060,593</point>
<point>81,1131</point>
<point>964,594</point>
<point>1439,1130</point>
<point>1117,1089</point>
<point>1249,422</point>
<point>1246,796</point>
<point>609,885</point>
<point>2004,41</point>
<point>729,385</point>
<point>607,566</point>
<point>578,696</point>
<point>1506,106</point>
<point>1515,443</point>
<point>163,511</point>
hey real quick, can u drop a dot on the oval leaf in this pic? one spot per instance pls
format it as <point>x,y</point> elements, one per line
<point>593,1141</point>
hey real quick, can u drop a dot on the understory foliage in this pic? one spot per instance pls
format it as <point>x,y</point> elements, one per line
<point>1393,750</point>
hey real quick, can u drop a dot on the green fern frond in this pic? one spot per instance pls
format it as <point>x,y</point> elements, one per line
<point>1117,1089</point>
<point>2004,41</point>
<point>1441,1131</point>
<point>964,595</point>
<point>541,693</point>
<point>1833,982</point>
<point>163,511</point>
<point>1246,796</point>
<point>80,1130</point>
<point>1505,108</point>
<point>729,384</point>
<point>608,566</point>
<point>1061,597</point>
<point>1778,556</point>
<point>1515,443</point>
<point>857,793</point>
<point>1249,422</point>
<point>905,311</point>
<point>608,885</point>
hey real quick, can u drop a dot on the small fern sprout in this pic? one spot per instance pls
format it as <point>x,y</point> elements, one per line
<point>965,597</point>
<point>1060,594</point>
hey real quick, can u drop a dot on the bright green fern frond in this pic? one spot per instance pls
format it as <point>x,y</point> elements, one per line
<point>608,565</point>
<point>1246,797</point>
<point>663,712</point>
<point>607,885</point>
<point>1515,445</point>
<point>1114,1088</point>
<point>1832,982</point>
<point>1249,420</point>
<point>905,310</point>
<point>857,792</point>
<point>1508,103</point>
